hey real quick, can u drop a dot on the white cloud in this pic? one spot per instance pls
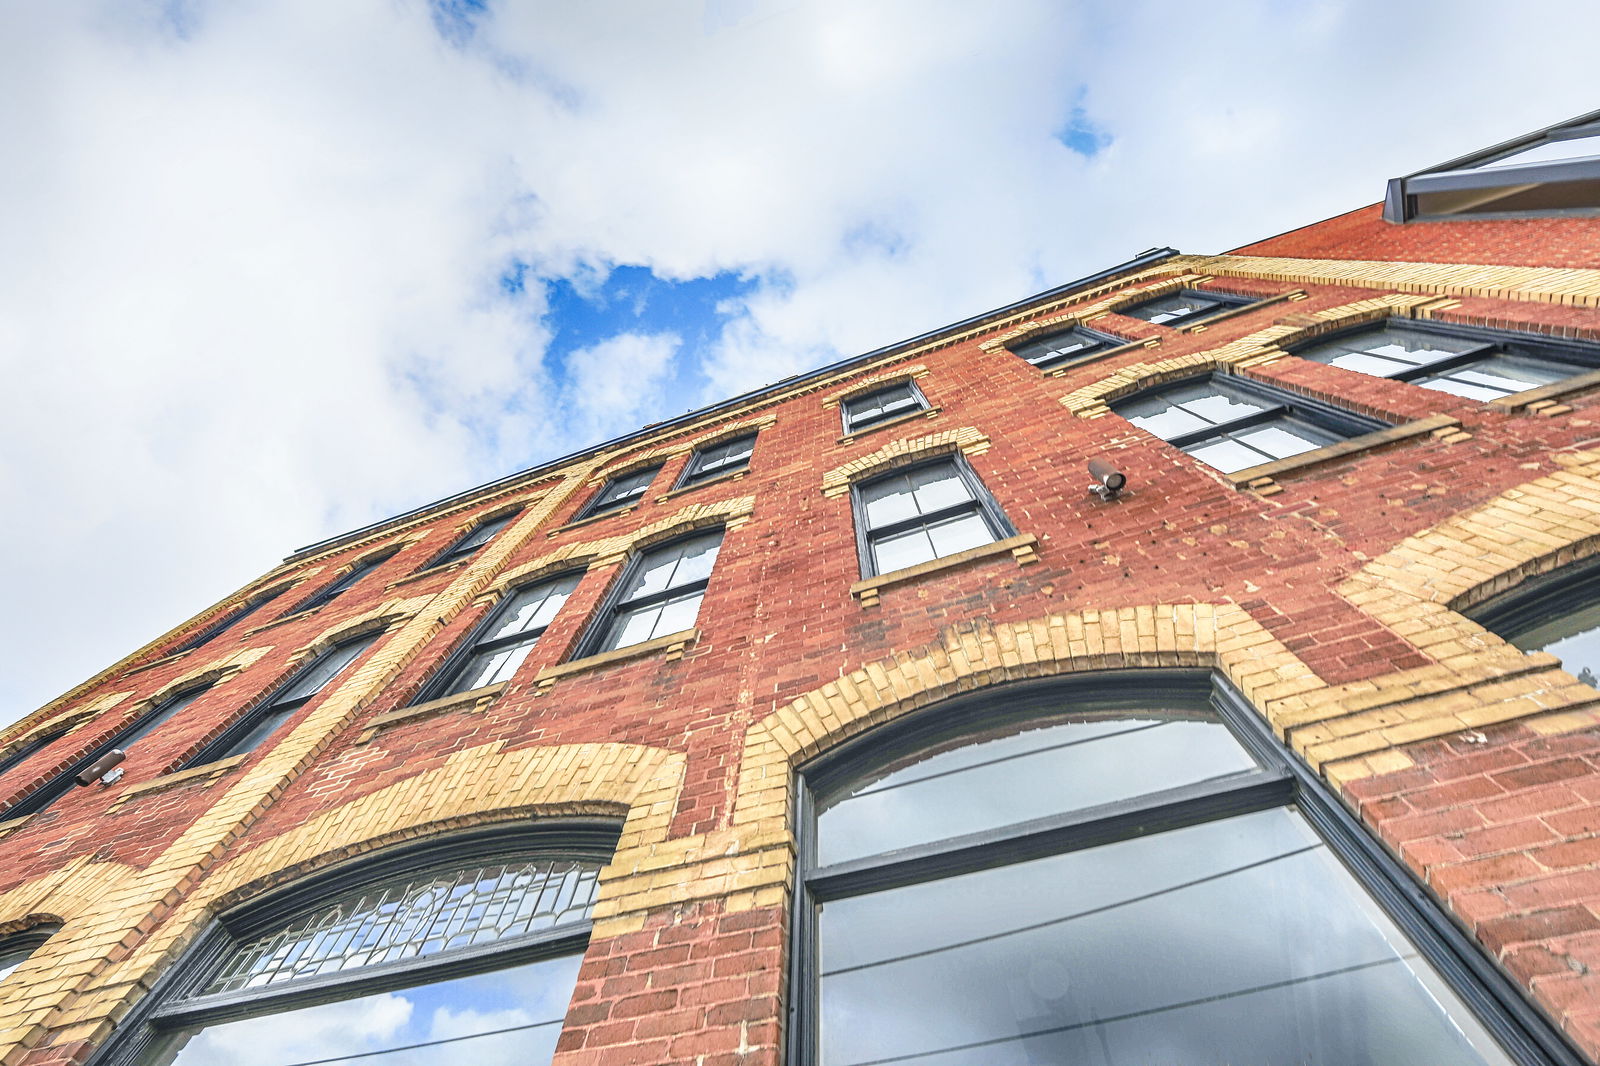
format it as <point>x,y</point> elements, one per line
<point>248,286</point>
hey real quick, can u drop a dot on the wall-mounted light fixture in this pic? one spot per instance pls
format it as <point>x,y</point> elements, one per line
<point>101,767</point>
<point>1108,480</point>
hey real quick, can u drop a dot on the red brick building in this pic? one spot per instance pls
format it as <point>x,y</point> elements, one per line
<point>843,723</point>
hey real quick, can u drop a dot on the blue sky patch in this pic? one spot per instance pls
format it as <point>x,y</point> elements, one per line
<point>1081,133</point>
<point>632,299</point>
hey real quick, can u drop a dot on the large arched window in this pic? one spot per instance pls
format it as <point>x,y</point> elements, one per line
<point>1558,612</point>
<point>462,950</point>
<point>1040,874</point>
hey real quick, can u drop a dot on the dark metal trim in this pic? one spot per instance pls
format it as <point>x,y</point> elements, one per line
<point>690,475</point>
<point>852,426</point>
<point>1528,344</point>
<point>613,603</point>
<point>1224,301</point>
<point>593,506</point>
<point>1539,599</point>
<point>983,502</point>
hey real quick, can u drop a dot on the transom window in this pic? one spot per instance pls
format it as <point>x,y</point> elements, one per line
<point>425,963</point>
<point>1060,874</point>
<point>924,512</point>
<point>1232,424</point>
<point>1186,306</point>
<point>880,405</point>
<point>344,583</point>
<point>1069,346</point>
<point>621,491</point>
<point>717,460</point>
<point>1475,365</point>
<point>251,731</point>
<point>227,622</point>
<point>659,593</point>
<point>473,539</point>
<point>498,647</point>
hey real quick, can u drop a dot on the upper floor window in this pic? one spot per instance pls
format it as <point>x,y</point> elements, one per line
<point>124,739</point>
<point>1066,347</point>
<point>464,952</point>
<point>1122,875</point>
<point>880,405</point>
<point>499,645</point>
<point>342,584</point>
<point>1463,362</point>
<point>1233,423</point>
<point>15,949</point>
<point>1555,171</point>
<point>475,538</point>
<point>1185,306</point>
<point>24,750</point>
<point>1558,612</point>
<point>717,460</point>
<point>228,621</point>
<point>923,512</point>
<point>659,593</point>
<point>624,490</point>
<point>254,728</point>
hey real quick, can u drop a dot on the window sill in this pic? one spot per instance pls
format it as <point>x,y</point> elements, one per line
<point>432,571</point>
<point>1534,398</point>
<point>1095,357</point>
<point>579,523</point>
<point>1242,309</point>
<point>674,644</point>
<point>718,480</point>
<point>207,773</point>
<point>473,700</point>
<point>157,664</point>
<point>926,412</point>
<point>1261,477</point>
<point>1021,547</point>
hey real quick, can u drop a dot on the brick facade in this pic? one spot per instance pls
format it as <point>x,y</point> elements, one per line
<point>1328,594</point>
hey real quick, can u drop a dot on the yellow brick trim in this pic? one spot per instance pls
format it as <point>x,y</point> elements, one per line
<point>69,720</point>
<point>869,384</point>
<point>731,513</point>
<point>735,429</point>
<point>1126,294</point>
<point>968,440</point>
<point>1574,287</point>
<point>384,616</point>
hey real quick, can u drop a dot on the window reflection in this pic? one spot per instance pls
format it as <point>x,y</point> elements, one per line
<point>1574,637</point>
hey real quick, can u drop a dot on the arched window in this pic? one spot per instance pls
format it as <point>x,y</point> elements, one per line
<point>1558,612</point>
<point>1043,874</point>
<point>15,948</point>
<point>463,950</point>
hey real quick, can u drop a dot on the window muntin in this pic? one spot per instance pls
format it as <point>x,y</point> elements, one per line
<point>498,648</point>
<point>660,593</point>
<point>337,588</point>
<point>227,622</point>
<point>1203,923</point>
<point>473,539</point>
<point>922,513</point>
<point>249,733</point>
<point>1186,306</point>
<point>1232,426</point>
<point>1069,346</point>
<point>621,491</point>
<point>1474,367</point>
<point>717,460</point>
<point>880,405</point>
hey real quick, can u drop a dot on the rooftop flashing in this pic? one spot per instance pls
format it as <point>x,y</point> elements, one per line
<point>1553,171</point>
<point>1138,262</point>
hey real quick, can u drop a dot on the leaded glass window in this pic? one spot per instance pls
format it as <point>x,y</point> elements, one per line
<point>1121,875</point>
<point>1185,306</point>
<point>1478,366</point>
<point>880,405</point>
<point>924,512</point>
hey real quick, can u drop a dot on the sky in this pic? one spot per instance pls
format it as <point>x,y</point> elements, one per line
<point>271,271</point>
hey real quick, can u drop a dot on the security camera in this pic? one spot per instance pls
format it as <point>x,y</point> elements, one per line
<point>100,767</point>
<point>1108,480</point>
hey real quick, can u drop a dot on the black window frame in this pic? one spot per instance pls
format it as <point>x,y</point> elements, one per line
<point>693,471</point>
<point>277,706</point>
<point>438,686</point>
<point>613,606</point>
<point>221,625</point>
<point>343,583</point>
<point>1099,343</point>
<point>982,503</point>
<point>854,424</point>
<point>125,737</point>
<point>174,1001</point>
<point>1336,421</point>
<point>1539,599</point>
<point>599,504</point>
<point>1283,780</point>
<point>26,941</point>
<point>29,748</point>
<point>1537,347</point>
<point>1221,301</point>
<point>1404,198</point>
<point>472,540</point>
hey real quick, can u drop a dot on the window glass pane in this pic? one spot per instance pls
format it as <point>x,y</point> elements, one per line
<point>1575,637</point>
<point>696,559</point>
<point>159,718</point>
<point>721,458</point>
<point>510,1016</point>
<point>1496,376</point>
<point>674,565</point>
<point>939,486</point>
<point>1018,773</point>
<point>1550,151</point>
<point>632,626</point>
<point>533,607</point>
<point>900,550</point>
<point>888,499</point>
<point>1219,407</point>
<point>1277,441</point>
<point>1226,455</point>
<point>678,614</point>
<point>1165,420</point>
<point>490,667</point>
<point>1171,308</point>
<point>864,410</point>
<point>12,958</point>
<point>324,670</point>
<point>266,725</point>
<point>958,534</point>
<point>1363,363</point>
<point>1241,942</point>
